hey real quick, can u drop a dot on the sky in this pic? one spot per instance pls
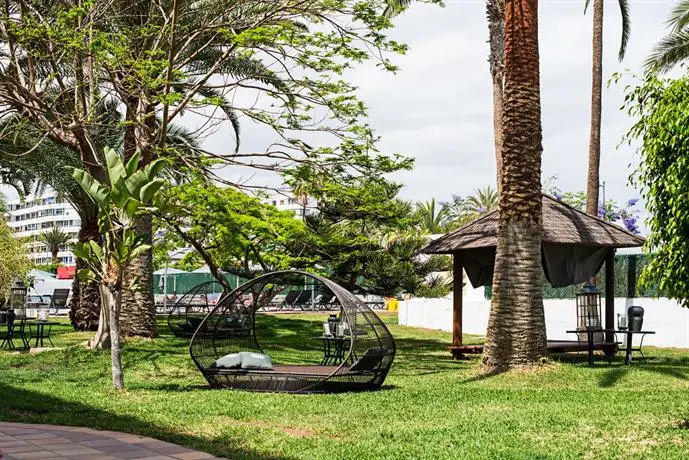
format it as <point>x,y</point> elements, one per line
<point>438,108</point>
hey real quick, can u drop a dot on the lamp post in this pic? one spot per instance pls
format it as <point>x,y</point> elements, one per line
<point>18,298</point>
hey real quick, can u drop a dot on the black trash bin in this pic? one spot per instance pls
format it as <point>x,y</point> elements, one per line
<point>635,315</point>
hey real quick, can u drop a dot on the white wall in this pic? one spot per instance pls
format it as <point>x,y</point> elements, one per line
<point>665,316</point>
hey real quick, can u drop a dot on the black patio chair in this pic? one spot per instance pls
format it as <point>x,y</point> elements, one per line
<point>291,297</point>
<point>59,299</point>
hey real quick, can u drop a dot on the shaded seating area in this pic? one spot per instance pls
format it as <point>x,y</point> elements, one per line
<point>189,311</point>
<point>260,358</point>
<point>575,247</point>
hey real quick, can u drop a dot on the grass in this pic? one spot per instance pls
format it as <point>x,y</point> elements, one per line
<point>431,407</point>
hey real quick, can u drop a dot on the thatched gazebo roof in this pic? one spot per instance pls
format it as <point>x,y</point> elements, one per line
<point>562,224</point>
<point>574,244</point>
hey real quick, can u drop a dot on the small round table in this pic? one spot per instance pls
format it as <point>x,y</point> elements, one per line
<point>333,349</point>
<point>628,349</point>
<point>40,331</point>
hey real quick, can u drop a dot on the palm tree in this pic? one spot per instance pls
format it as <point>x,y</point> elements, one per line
<point>593,178</point>
<point>483,201</point>
<point>54,238</point>
<point>674,47</point>
<point>34,170</point>
<point>431,217</point>
<point>516,327</point>
<point>495,13</point>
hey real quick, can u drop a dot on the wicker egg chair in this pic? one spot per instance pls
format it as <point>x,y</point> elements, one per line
<point>304,358</point>
<point>189,311</point>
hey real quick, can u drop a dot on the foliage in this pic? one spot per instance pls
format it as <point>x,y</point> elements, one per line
<point>662,121</point>
<point>432,217</point>
<point>360,236</point>
<point>54,238</point>
<point>129,193</point>
<point>14,264</point>
<point>440,217</point>
<point>276,64</point>
<point>50,268</point>
<point>673,49</point>
<point>483,201</point>
<point>626,26</point>
<point>430,405</point>
<point>626,215</point>
<point>228,229</point>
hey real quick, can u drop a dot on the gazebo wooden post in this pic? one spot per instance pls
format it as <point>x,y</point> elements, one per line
<point>457,284</point>
<point>610,295</point>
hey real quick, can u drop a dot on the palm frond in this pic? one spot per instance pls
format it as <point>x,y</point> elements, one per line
<point>670,51</point>
<point>626,28</point>
<point>679,16</point>
<point>226,106</point>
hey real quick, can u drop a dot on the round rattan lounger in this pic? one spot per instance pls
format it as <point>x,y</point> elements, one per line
<point>367,352</point>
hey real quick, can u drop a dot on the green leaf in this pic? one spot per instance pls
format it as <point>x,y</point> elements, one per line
<point>138,250</point>
<point>133,163</point>
<point>148,191</point>
<point>119,193</point>
<point>154,168</point>
<point>96,250</point>
<point>91,186</point>
<point>131,207</point>
<point>115,166</point>
<point>86,275</point>
<point>136,182</point>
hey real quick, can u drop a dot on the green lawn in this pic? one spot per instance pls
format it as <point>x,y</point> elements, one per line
<point>431,407</point>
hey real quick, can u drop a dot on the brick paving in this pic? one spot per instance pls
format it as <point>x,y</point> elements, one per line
<point>20,441</point>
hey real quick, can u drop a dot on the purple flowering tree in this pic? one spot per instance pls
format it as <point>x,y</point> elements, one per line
<point>626,215</point>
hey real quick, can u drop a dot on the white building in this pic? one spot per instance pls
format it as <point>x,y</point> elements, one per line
<point>37,214</point>
<point>286,201</point>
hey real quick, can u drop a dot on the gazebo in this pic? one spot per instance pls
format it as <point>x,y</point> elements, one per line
<point>575,247</point>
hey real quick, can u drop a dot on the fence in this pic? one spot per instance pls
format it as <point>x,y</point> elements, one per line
<point>185,282</point>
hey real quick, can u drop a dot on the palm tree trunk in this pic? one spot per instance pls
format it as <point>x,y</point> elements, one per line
<point>137,317</point>
<point>496,29</point>
<point>593,179</point>
<point>85,306</point>
<point>516,327</point>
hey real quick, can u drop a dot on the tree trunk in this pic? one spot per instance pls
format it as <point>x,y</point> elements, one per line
<point>593,178</point>
<point>137,317</point>
<point>102,338</point>
<point>113,300</point>
<point>516,327</point>
<point>496,30</point>
<point>138,309</point>
<point>85,305</point>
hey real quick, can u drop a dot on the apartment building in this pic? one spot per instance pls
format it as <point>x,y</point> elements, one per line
<point>37,214</point>
<point>286,201</point>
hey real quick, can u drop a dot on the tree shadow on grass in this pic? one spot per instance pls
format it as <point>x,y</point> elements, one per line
<point>670,367</point>
<point>25,406</point>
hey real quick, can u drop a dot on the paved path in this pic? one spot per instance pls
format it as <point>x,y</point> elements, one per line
<point>19,441</point>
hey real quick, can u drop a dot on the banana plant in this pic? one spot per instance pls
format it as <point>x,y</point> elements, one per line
<point>130,192</point>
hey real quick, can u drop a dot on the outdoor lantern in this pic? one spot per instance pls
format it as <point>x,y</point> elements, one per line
<point>18,298</point>
<point>588,308</point>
